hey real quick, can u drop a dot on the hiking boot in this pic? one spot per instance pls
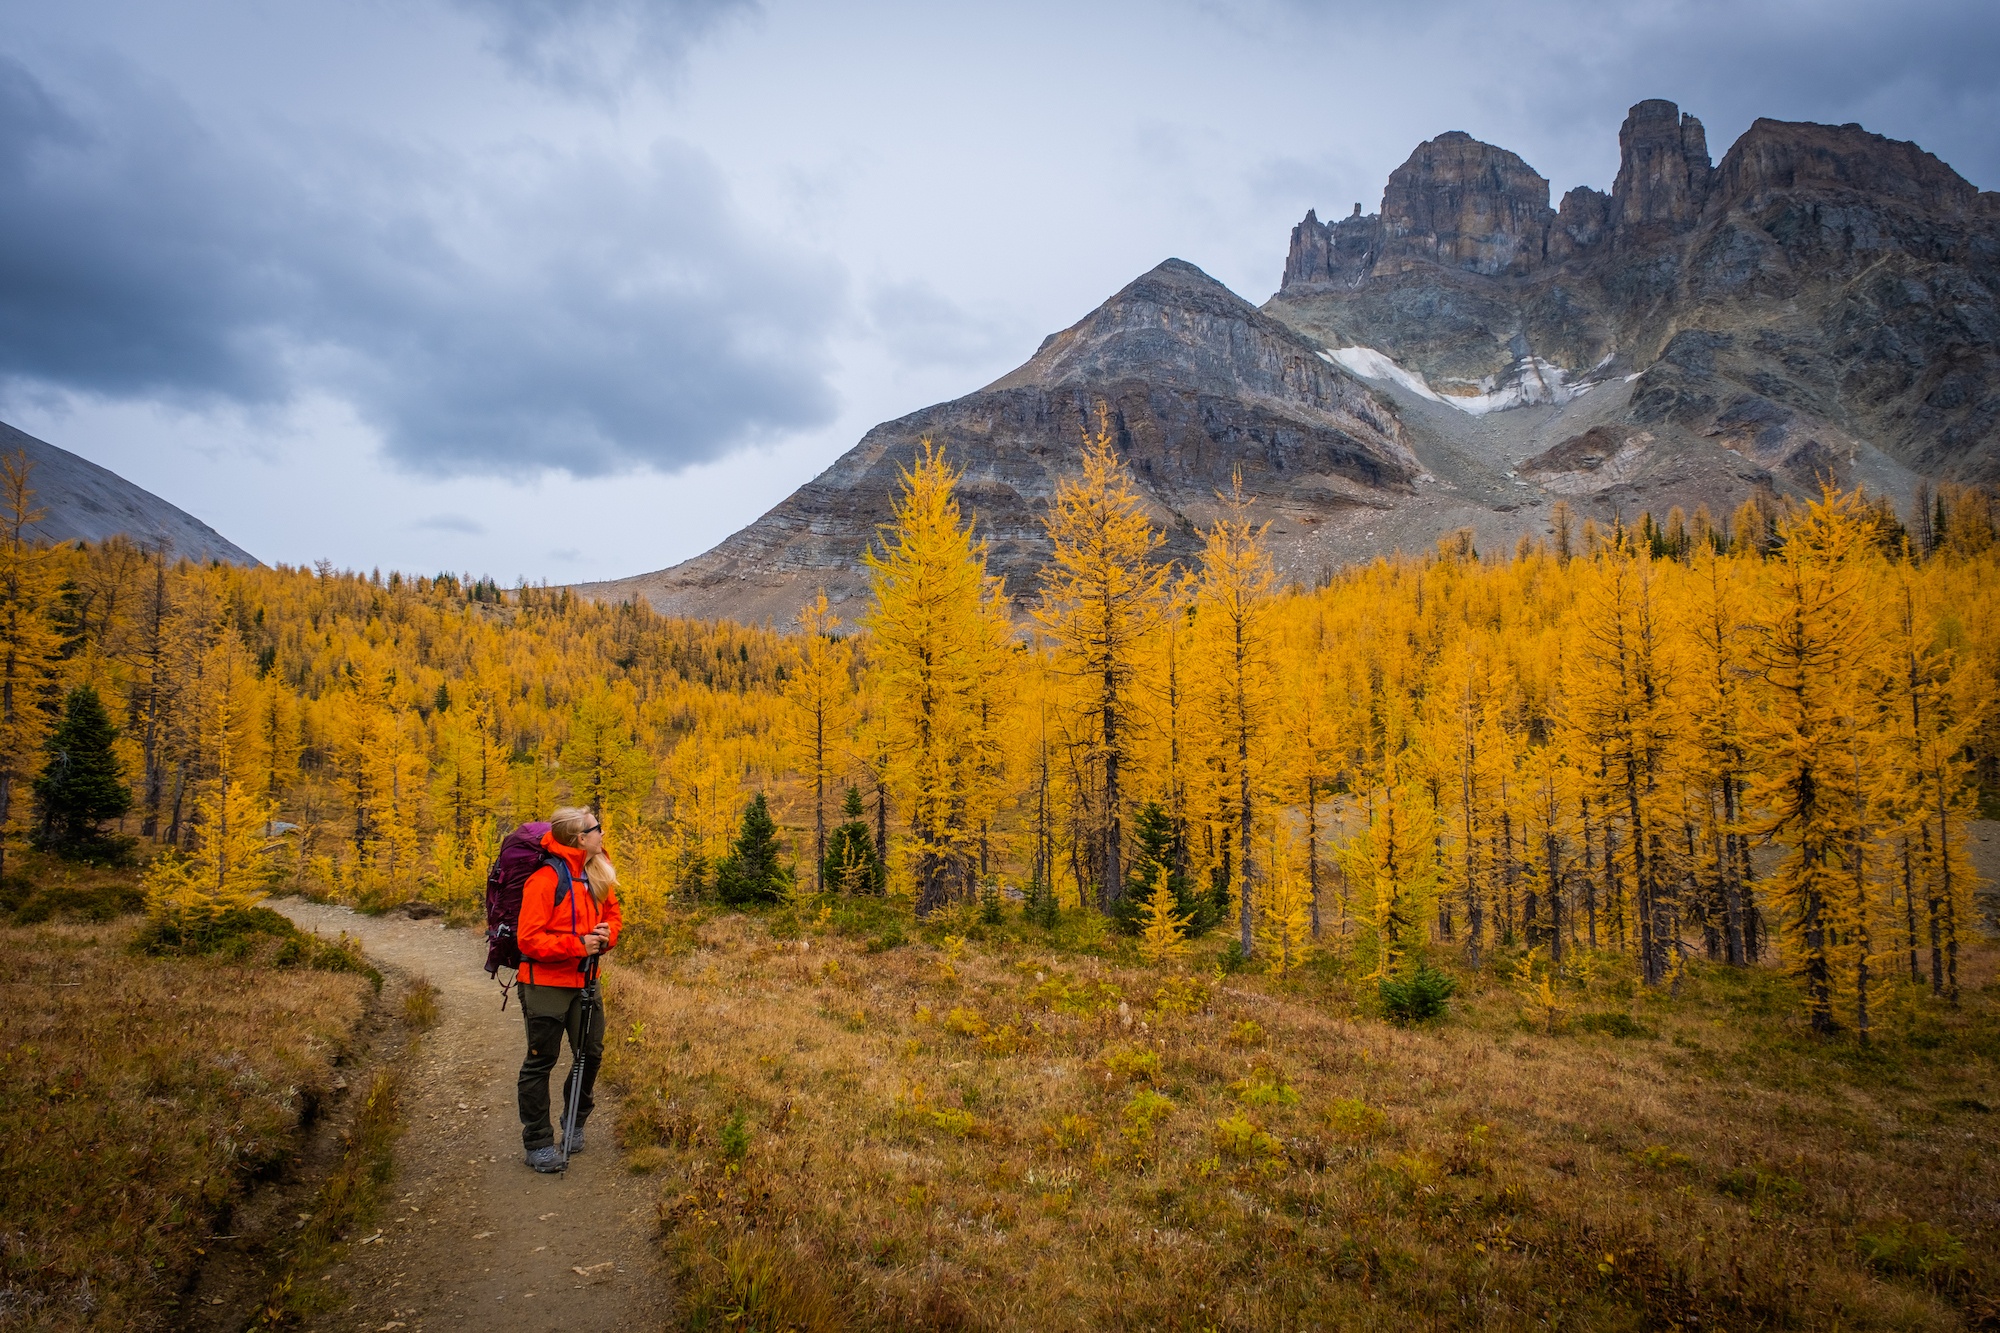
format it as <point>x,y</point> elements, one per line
<point>547,1159</point>
<point>576,1141</point>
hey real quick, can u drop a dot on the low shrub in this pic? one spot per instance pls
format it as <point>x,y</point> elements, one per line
<point>1420,995</point>
<point>1246,1032</point>
<point>1240,1136</point>
<point>1352,1118</point>
<point>1142,1116</point>
<point>58,891</point>
<point>1181,995</point>
<point>966,1022</point>
<point>1264,1089</point>
<point>250,935</point>
<point>1133,1066</point>
<point>1659,1157</point>
<point>953,1121</point>
<point>1759,1187</point>
<point>1612,1025</point>
<point>232,932</point>
<point>734,1139</point>
<point>1913,1249</point>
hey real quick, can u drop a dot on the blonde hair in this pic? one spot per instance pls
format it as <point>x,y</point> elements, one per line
<point>569,825</point>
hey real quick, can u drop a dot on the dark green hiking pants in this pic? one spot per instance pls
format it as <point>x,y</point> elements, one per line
<point>549,1012</point>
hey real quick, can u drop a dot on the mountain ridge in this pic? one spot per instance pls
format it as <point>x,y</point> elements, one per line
<point>83,501</point>
<point>1194,382</point>
<point>1821,305</point>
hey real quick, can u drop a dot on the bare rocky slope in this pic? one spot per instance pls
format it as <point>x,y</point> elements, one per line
<point>84,502</point>
<point>1824,304</point>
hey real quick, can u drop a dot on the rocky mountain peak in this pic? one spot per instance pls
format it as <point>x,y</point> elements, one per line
<point>1840,288</point>
<point>1824,304</point>
<point>1197,387</point>
<point>1456,202</point>
<point>1175,325</point>
<point>1778,156</point>
<point>1468,205</point>
<point>1664,172</point>
<point>1461,204</point>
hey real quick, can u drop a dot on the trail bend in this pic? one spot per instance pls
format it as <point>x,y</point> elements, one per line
<point>473,1238</point>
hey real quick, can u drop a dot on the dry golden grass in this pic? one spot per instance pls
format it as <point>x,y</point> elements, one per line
<point>348,1196</point>
<point>1007,1137</point>
<point>138,1096</point>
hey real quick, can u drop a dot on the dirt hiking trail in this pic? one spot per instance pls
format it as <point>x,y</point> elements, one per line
<point>472,1238</point>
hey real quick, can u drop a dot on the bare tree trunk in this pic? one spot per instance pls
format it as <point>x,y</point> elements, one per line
<point>881,828</point>
<point>1814,973</point>
<point>819,796</point>
<point>1862,942</point>
<point>1910,911</point>
<point>1753,921</point>
<point>154,765</point>
<point>1114,870</point>
<point>1732,879</point>
<point>1554,855</point>
<point>1589,877</point>
<point>1944,892</point>
<point>1641,883</point>
<point>1936,924</point>
<point>1312,847</point>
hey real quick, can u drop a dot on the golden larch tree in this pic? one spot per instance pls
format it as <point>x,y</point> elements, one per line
<point>821,694</point>
<point>1232,614</point>
<point>1102,594</point>
<point>938,620</point>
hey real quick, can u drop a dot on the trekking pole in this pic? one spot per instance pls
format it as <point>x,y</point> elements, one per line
<point>585,1011</point>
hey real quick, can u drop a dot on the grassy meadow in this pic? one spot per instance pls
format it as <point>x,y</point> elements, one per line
<point>142,1096</point>
<point>1032,1130</point>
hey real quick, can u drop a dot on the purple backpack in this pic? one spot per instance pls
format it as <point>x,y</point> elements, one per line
<point>521,855</point>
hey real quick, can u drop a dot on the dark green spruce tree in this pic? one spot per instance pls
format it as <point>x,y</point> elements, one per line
<point>82,783</point>
<point>751,872</point>
<point>851,865</point>
<point>1153,848</point>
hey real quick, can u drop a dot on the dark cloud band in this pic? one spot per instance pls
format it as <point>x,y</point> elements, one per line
<point>520,310</point>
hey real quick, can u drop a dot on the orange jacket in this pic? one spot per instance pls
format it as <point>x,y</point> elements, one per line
<point>551,936</point>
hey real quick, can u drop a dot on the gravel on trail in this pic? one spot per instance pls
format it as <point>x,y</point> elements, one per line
<point>471,1237</point>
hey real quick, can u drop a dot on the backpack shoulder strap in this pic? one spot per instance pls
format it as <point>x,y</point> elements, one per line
<point>562,877</point>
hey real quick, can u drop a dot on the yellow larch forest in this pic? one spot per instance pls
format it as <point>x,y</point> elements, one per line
<point>1747,739</point>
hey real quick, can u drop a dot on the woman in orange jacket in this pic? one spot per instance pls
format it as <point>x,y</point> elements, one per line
<point>569,917</point>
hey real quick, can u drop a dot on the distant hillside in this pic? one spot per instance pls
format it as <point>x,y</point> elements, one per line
<point>85,502</point>
<point>1822,305</point>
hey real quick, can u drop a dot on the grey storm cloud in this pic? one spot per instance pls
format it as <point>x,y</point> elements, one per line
<point>521,309</point>
<point>597,47</point>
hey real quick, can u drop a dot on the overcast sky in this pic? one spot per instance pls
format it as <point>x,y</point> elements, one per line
<point>572,289</point>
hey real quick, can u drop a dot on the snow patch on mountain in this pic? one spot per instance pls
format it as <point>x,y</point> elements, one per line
<point>1370,364</point>
<point>1530,380</point>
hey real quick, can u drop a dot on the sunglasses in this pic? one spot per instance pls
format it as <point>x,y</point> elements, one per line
<point>592,829</point>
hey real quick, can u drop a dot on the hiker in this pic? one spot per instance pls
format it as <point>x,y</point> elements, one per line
<point>562,937</point>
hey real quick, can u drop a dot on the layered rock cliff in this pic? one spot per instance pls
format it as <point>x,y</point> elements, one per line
<point>1846,281</point>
